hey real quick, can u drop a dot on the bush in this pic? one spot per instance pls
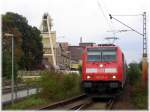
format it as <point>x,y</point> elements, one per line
<point>140,96</point>
<point>134,73</point>
<point>59,86</point>
<point>69,82</point>
<point>139,93</point>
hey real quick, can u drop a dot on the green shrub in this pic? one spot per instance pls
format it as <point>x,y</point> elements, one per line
<point>134,73</point>
<point>140,96</point>
<point>59,86</point>
<point>69,82</point>
<point>139,93</point>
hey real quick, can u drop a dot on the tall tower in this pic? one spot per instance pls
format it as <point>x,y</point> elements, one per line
<point>48,40</point>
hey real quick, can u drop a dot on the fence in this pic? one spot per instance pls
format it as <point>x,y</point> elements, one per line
<point>25,75</point>
<point>22,88</point>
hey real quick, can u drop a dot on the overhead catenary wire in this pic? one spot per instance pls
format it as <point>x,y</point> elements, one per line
<point>104,5</point>
<point>128,15</point>
<point>108,20</point>
<point>125,25</point>
<point>111,23</point>
<point>101,8</point>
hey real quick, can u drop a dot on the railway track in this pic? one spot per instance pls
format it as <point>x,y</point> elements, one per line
<point>7,89</point>
<point>98,105</point>
<point>82,102</point>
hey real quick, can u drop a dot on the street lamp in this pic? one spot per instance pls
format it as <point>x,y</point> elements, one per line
<point>12,76</point>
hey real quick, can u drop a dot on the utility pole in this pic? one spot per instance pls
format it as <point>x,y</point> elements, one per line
<point>144,36</point>
<point>144,60</point>
<point>12,75</point>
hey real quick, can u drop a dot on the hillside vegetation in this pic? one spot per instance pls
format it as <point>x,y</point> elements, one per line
<point>139,93</point>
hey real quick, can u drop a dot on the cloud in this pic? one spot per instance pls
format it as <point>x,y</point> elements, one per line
<point>76,18</point>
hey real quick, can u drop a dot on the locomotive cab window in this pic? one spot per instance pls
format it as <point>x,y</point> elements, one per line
<point>94,56</point>
<point>108,56</point>
<point>101,54</point>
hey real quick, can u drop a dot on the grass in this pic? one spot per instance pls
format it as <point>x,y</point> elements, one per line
<point>140,97</point>
<point>26,103</point>
<point>55,87</point>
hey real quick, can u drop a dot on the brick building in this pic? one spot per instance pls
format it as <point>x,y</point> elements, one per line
<point>62,55</point>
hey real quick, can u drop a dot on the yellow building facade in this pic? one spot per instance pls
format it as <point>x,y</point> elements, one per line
<point>47,48</point>
<point>48,40</point>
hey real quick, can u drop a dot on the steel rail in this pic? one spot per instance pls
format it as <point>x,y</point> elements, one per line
<point>109,105</point>
<point>81,102</point>
<point>85,105</point>
<point>106,105</point>
<point>64,102</point>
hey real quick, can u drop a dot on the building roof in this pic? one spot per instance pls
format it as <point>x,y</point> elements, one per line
<point>76,52</point>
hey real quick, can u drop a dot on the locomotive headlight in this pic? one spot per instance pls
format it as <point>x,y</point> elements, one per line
<point>88,77</point>
<point>101,65</point>
<point>114,77</point>
<point>110,70</point>
<point>91,70</point>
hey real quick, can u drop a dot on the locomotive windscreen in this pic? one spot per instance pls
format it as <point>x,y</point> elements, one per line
<point>102,54</point>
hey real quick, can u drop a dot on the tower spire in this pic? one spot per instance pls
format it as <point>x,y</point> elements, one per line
<point>48,39</point>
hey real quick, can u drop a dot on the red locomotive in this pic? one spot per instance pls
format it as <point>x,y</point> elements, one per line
<point>103,68</point>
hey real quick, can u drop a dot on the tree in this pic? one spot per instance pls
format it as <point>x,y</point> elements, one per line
<point>28,42</point>
<point>33,49</point>
<point>7,65</point>
<point>134,73</point>
<point>9,27</point>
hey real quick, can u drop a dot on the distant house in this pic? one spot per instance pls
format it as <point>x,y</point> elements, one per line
<point>76,54</point>
<point>84,44</point>
<point>62,55</point>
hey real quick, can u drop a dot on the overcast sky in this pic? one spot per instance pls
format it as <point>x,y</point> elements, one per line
<point>73,19</point>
